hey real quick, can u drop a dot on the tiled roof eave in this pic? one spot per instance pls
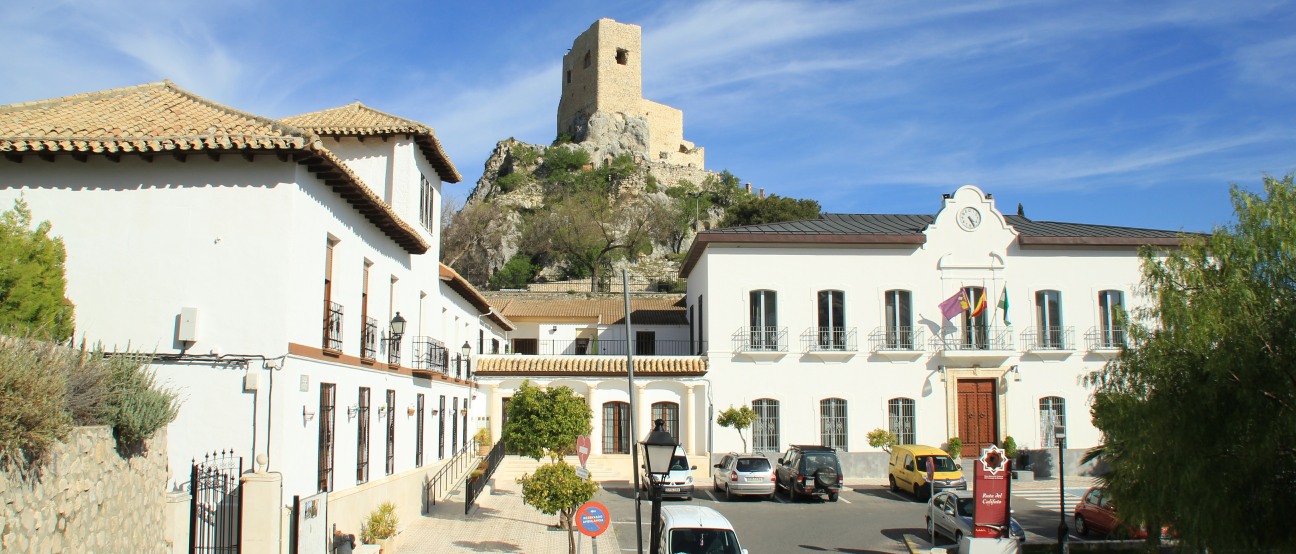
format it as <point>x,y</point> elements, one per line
<point>113,144</point>
<point>705,239</point>
<point>1027,240</point>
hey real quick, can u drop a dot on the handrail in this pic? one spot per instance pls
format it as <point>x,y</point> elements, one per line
<point>474,488</point>
<point>446,476</point>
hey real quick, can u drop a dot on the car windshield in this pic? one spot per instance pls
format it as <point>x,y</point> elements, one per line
<point>753,464</point>
<point>942,463</point>
<point>703,541</point>
<point>817,461</point>
<point>679,463</point>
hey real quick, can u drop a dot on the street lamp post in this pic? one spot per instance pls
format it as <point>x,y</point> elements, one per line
<point>1060,436</point>
<point>697,220</point>
<point>659,447</point>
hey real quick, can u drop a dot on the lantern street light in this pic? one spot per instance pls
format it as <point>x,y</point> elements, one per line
<point>393,343</point>
<point>697,198</point>
<point>466,350</point>
<point>1060,435</point>
<point>659,447</point>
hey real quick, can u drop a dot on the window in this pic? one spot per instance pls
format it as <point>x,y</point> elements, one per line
<point>327,404</point>
<point>899,320</point>
<point>1111,307</point>
<point>362,436</point>
<point>832,423</point>
<point>587,60</point>
<point>427,204</point>
<point>668,411</point>
<point>1052,419</point>
<point>701,346</point>
<point>900,419</point>
<point>526,346</point>
<point>391,431</point>
<point>495,346</point>
<point>1048,314</point>
<point>764,320</point>
<point>332,310</point>
<point>616,428</point>
<point>464,414</point>
<point>369,334</point>
<point>645,343</point>
<point>418,431</point>
<point>832,320</point>
<point>765,430</point>
<point>975,327</point>
<point>623,56</point>
<point>569,76</point>
<point>441,415</point>
<point>394,344</point>
<point>454,425</point>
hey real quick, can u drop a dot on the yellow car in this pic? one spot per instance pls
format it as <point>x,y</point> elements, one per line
<point>908,470</point>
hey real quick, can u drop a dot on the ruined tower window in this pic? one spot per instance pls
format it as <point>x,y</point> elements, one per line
<point>587,59</point>
<point>623,56</point>
<point>569,76</point>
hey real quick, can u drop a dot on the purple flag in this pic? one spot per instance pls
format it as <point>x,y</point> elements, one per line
<point>954,305</point>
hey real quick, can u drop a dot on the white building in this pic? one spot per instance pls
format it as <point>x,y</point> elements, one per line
<point>831,328</point>
<point>264,263</point>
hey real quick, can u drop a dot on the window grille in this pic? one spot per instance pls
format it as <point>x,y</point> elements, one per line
<point>832,423</point>
<point>1052,419</point>
<point>391,431</point>
<point>418,432</point>
<point>362,440</point>
<point>616,428</point>
<point>328,401</point>
<point>765,430</point>
<point>901,419</point>
<point>668,411</point>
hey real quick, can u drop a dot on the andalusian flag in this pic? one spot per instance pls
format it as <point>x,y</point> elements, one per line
<point>1003,304</point>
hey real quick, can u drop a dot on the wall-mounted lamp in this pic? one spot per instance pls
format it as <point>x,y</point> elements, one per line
<point>941,370</point>
<point>466,349</point>
<point>1016,373</point>
<point>307,414</point>
<point>382,411</point>
<point>553,329</point>
<point>352,411</point>
<point>435,411</point>
<point>397,327</point>
<point>410,410</point>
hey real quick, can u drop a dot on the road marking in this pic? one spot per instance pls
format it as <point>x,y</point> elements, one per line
<point>844,500</point>
<point>709,495</point>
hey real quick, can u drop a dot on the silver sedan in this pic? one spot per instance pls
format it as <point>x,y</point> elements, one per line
<point>953,516</point>
<point>743,475</point>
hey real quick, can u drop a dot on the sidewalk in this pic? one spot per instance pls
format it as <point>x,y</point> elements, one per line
<point>498,522</point>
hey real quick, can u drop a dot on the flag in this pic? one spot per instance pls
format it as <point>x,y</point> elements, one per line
<point>954,304</point>
<point>980,305</point>
<point>1003,304</point>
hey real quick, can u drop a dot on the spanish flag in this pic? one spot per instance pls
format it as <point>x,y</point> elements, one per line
<point>980,305</point>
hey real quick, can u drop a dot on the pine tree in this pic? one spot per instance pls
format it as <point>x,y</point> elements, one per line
<point>32,278</point>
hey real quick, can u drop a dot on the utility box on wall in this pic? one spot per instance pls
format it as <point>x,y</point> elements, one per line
<point>187,331</point>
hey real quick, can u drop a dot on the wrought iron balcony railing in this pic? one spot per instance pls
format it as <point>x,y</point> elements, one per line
<point>975,338</point>
<point>369,339</point>
<point>429,354</point>
<point>1049,338</point>
<point>897,339</point>
<point>601,347</point>
<point>1105,338</point>
<point>829,339</point>
<point>332,326</point>
<point>760,339</point>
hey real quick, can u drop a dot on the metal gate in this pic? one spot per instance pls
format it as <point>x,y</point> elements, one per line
<point>215,504</point>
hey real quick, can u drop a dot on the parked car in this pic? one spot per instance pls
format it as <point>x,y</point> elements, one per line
<point>696,530</point>
<point>679,482</point>
<point>907,469</point>
<point>1095,514</point>
<point>743,475</point>
<point>810,471</point>
<point>951,515</point>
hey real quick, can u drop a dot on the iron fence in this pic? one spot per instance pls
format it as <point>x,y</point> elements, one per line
<point>332,326</point>
<point>447,476</point>
<point>369,339</point>
<point>760,339</point>
<point>896,339</point>
<point>215,506</point>
<point>1049,337</point>
<point>475,485</point>
<point>829,339</point>
<point>430,354</point>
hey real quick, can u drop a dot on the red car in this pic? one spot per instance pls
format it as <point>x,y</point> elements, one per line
<point>1095,514</point>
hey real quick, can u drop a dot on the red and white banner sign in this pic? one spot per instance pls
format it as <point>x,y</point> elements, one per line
<point>992,489</point>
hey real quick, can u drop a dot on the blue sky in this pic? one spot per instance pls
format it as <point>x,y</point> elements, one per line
<point>1121,113</point>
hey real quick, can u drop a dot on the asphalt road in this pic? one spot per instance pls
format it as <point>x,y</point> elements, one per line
<point>865,519</point>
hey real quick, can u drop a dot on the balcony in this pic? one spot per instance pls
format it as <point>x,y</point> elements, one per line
<point>1050,341</point>
<point>601,347</point>
<point>369,340</point>
<point>979,345</point>
<point>898,343</point>
<point>830,342</point>
<point>429,356</point>
<point>760,342</point>
<point>332,326</point>
<point>1105,341</point>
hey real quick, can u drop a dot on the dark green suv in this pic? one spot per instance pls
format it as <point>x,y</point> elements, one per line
<point>806,470</point>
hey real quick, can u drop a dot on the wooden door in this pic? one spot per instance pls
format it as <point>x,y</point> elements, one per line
<point>977,412</point>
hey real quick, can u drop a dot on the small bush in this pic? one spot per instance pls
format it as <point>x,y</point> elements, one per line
<point>510,182</point>
<point>881,438</point>
<point>380,524</point>
<point>524,156</point>
<point>565,159</point>
<point>136,407</point>
<point>955,448</point>
<point>1010,448</point>
<point>483,436</point>
<point>33,401</point>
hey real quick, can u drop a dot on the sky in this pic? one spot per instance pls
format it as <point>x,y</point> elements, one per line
<point>1139,114</point>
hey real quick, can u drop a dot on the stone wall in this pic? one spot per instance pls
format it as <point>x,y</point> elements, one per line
<point>88,498</point>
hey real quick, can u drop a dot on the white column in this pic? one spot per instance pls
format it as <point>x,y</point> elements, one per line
<point>644,417</point>
<point>493,407</point>
<point>689,437</point>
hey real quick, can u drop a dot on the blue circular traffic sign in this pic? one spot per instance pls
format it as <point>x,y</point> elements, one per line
<point>592,519</point>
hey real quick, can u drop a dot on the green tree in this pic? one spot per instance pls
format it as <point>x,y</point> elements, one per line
<point>771,209</point>
<point>470,236</point>
<point>739,419</point>
<point>515,274</point>
<point>1200,403</point>
<point>545,422</point>
<point>32,278</point>
<point>589,230</point>
<point>556,489</point>
<point>881,438</point>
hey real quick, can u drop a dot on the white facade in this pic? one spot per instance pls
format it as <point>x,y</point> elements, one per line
<point>1024,372</point>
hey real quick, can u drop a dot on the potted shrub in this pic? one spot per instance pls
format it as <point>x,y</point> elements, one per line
<point>483,438</point>
<point>955,448</point>
<point>380,527</point>
<point>1010,452</point>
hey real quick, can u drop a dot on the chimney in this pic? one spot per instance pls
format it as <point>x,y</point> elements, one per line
<point>762,193</point>
<point>748,188</point>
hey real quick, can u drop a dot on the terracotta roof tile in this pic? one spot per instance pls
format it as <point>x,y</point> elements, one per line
<point>657,310</point>
<point>600,366</point>
<point>359,120</point>
<point>470,293</point>
<point>163,118</point>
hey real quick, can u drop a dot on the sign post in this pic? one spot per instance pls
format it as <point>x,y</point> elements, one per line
<point>990,489</point>
<point>583,448</point>
<point>931,493</point>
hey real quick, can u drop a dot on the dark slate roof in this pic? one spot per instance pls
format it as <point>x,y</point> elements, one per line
<point>901,229</point>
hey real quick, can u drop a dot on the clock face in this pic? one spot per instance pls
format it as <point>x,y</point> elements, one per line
<point>969,218</point>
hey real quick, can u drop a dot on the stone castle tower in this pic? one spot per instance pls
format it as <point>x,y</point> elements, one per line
<point>602,99</point>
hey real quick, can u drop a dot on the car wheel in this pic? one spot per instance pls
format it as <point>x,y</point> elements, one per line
<point>729,494</point>
<point>931,529</point>
<point>894,486</point>
<point>832,497</point>
<point>769,496</point>
<point>1081,528</point>
<point>958,537</point>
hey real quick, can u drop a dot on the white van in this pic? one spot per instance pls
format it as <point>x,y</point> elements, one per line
<point>696,530</point>
<point>679,482</point>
